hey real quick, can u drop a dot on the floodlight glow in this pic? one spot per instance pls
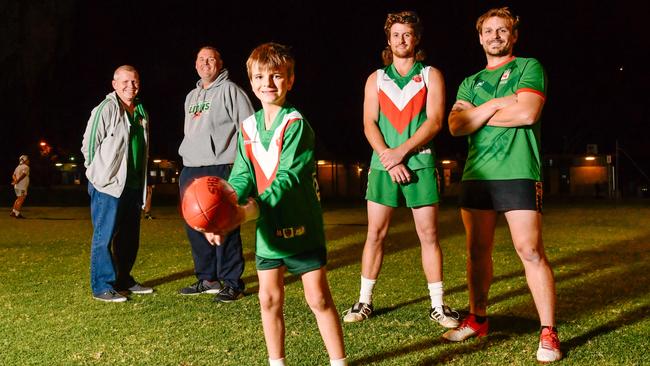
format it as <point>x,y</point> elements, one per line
<point>590,158</point>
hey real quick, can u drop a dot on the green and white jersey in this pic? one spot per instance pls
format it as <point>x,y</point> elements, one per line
<point>402,110</point>
<point>277,167</point>
<point>496,153</point>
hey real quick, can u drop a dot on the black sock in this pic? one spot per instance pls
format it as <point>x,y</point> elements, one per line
<point>480,319</point>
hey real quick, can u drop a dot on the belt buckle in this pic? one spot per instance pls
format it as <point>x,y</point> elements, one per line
<point>288,233</point>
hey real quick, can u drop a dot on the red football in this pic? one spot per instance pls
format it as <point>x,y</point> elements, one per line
<point>210,205</point>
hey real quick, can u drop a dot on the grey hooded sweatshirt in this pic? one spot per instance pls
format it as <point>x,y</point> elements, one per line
<point>212,120</point>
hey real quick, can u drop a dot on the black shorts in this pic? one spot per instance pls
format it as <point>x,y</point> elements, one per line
<point>501,195</point>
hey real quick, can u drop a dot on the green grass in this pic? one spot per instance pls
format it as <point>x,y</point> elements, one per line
<point>600,254</point>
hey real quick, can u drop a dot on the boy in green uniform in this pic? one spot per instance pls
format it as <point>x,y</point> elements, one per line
<point>275,170</point>
<point>498,109</point>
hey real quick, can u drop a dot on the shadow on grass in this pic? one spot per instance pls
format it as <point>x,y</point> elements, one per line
<point>508,327</point>
<point>601,276</point>
<point>472,346</point>
<point>396,241</point>
<point>249,258</point>
<point>626,318</point>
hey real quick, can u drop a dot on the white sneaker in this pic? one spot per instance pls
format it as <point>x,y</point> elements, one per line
<point>445,316</point>
<point>358,312</point>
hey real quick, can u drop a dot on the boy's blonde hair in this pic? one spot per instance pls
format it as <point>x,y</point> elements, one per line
<point>271,56</point>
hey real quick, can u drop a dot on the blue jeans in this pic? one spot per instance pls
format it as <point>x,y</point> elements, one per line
<point>116,238</point>
<point>223,262</point>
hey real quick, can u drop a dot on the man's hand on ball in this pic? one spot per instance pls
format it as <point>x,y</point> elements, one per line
<point>213,238</point>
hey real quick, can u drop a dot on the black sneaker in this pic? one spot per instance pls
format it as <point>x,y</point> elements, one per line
<point>110,296</point>
<point>148,216</point>
<point>139,289</point>
<point>228,294</point>
<point>201,287</point>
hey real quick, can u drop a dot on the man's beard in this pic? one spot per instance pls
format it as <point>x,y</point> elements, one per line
<point>503,51</point>
<point>403,52</point>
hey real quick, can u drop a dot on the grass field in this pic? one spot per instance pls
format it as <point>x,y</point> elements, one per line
<point>600,253</point>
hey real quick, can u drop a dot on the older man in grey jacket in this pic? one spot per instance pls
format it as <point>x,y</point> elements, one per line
<point>115,149</point>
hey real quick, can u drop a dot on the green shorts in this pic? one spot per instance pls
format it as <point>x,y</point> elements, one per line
<point>422,190</point>
<point>296,264</point>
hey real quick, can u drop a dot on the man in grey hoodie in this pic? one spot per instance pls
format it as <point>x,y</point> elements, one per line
<point>213,112</point>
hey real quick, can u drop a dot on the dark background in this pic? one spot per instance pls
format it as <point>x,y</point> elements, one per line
<point>57,58</point>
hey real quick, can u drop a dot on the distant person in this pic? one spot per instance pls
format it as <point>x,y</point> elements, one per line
<point>498,109</point>
<point>115,149</point>
<point>213,112</point>
<point>402,112</point>
<point>20,181</point>
<point>275,173</point>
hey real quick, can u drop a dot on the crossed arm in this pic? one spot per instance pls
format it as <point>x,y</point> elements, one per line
<point>515,110</point>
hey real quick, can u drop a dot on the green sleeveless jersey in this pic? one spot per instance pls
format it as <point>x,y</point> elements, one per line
<point>277,167</point>
<point>496,153</point>
<point>402,110</point>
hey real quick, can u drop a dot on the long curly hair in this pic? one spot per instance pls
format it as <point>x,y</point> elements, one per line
<point>404,17</point>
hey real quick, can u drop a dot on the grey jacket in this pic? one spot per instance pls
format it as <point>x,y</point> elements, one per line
<point>105,146</point>
<point>212,120</point>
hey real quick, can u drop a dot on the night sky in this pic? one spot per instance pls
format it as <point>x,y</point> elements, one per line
<point>57,58</point>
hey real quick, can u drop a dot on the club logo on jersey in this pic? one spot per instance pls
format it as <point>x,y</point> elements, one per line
<point>417,78</point>
<point>479,84</point>
<point>505,75</point>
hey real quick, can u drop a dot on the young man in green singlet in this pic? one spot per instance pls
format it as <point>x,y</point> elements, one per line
<point>402,112</point>
<point>498,109</point>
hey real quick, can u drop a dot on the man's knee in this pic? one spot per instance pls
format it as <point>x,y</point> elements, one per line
<point>530,254</point>
<point>375,237</point>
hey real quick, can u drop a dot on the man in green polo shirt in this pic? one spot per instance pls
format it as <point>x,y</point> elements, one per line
<point>498,109</point>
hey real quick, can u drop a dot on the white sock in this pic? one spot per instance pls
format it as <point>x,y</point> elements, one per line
<point>15,212</point>
<point>278,362</point>
<point>340,362</point>
<point>365,295</point>
<point>435,292</point>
